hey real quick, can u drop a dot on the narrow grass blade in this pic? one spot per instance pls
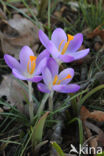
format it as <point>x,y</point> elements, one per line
<point>57,148</point>
<point>90,94</point>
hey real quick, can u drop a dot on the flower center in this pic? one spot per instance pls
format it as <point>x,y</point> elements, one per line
<point>70,37</point>
<point>57,82</point>
<point>31,64</point>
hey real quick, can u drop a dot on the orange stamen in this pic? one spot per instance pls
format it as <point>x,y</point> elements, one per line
<point>31,64</point>
<point>33,58</point>
<point>55,80</point>
<point>67,77</point>
<point>60,44</point>
<point>70,37</point>
<point>28,66</point>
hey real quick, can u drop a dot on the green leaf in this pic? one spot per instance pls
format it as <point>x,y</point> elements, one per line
<point>58,149</point>
<point>80,128</point>
<point>38,130</point>
<point>90,93</point>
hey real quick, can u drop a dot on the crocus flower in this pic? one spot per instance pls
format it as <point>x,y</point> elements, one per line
<point>62,47</point>
<point>57,82</point>
<point>29,66</point>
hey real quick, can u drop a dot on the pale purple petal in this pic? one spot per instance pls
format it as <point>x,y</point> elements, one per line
<point>35,79</point>
<point>41,66</point>
<point>12,62</point>
<point>80,54</point>
<point>76,43</point>
<point>25,53</point>
<point>18,75</point>
<point>53,66</point>
<point>47,77</point>
<point>64,73</point>
<point>43,54</point>
<point>43,88</point>
<point>53,50</point>
<point>43,38</point>
<point>66,58</point>
<point>57,36</point>
<point>66,88</point>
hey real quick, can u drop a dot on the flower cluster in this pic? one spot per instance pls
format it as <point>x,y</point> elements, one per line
<point>61,48</point>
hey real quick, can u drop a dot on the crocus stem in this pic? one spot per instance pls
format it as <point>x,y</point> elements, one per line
<point>40,109</point>
<point>51,102</point>
<point>30,100</point>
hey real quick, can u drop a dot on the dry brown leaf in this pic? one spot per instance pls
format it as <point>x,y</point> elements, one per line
<point>2,14</point>
<point>17,32</point>
<point>84,113</point>
<point>13,93</point>
<point>92,141</point>
<point>59,12</point>
<point>97,115</point>
<point>100,138</point>
<point>89,127</point>
<point>96,32</point>
<point>1,110</point>
<point>97,46</point>
<point>93,127</point>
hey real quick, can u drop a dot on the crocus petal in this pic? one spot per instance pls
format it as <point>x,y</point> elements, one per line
<point>35,79</point>
<point>25,53</point>
<point>66,58</point>
<point>18,75</point>
<point>43,88</point>
<point>66,88</point>
<point>41,66</point>
<point>47,76</point>
<point>43,38</point>
<point>42,55</point>
<point>53,66</point>
<point>80,54</point>
<point>64,73</point>
<point>58,36</point>
<point>76,43</point>
<point>12,62</point>
<point>52,49</point>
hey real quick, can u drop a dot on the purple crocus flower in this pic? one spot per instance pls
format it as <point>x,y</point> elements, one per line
<point>29,66</point>
<point>62,47</point>
<point>57,82</point>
